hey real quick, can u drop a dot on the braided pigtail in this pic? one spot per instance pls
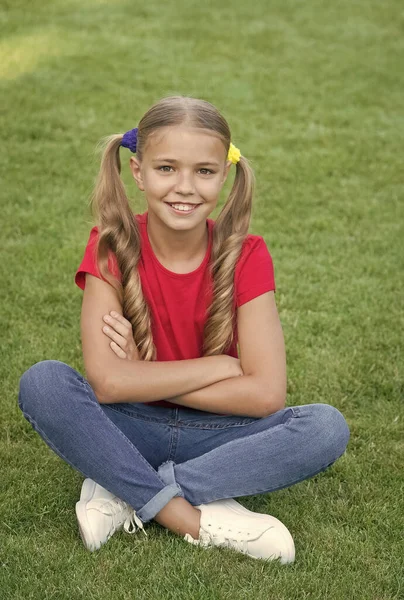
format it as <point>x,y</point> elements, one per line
<point>119,233</point>
<point>230,230</point>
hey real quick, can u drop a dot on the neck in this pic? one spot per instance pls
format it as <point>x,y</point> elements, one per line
<point>177,246</point>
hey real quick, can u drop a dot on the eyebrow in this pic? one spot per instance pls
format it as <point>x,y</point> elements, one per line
<point>172,160</point>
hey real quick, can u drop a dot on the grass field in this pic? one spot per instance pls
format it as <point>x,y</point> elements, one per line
<point>313,92</point>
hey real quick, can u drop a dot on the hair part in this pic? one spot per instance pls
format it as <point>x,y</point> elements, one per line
<point>119,232</point>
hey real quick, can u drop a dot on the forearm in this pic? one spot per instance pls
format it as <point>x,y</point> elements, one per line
<point>242,396</point>
<point>146,381</point>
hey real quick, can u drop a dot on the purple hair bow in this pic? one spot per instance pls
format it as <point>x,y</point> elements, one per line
<point>129,140</point>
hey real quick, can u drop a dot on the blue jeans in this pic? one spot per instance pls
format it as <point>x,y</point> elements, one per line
<point>147,454</point>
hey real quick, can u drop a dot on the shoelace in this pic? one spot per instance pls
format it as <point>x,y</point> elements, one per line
<point>114,507</point>
<point>221,539</point>
<point>133,523</point>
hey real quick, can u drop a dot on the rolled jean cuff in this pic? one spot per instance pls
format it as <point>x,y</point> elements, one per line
<point>172,489</point>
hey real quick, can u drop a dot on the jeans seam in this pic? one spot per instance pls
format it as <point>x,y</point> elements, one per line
<point>186,425</point>
<point>296,412</point>
<point>173,444</point>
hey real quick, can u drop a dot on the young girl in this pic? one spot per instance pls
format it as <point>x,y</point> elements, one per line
<point>170,424</point>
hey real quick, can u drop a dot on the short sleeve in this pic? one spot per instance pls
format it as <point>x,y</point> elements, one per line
<point>254,271</point>
<point>89,263</point>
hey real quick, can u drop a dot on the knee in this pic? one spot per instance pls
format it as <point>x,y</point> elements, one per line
<point>330,430</point>
<point>36,383</point>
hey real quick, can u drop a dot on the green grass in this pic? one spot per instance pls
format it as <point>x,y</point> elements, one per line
<point>313,92</point>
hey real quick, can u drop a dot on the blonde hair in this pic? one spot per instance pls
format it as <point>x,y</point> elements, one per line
<point>119,230</point>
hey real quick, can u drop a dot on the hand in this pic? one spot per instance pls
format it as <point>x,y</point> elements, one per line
<point>120,331</point>
<point>235,366</point>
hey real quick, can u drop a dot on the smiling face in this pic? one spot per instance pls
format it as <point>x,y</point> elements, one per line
<point>184,166</point>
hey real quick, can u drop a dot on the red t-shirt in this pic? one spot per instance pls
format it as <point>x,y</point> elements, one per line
<point>178,302</point>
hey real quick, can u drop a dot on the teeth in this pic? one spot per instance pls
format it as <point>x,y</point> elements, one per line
<point>184,207</point>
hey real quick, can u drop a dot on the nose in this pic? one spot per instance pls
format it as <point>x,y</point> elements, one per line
<point>184,184</point>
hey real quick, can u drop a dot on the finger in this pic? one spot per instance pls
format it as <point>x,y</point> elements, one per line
<point>120,327</point>
<point>121,319</point>
<point>121,341</point>
<point>118,351</point>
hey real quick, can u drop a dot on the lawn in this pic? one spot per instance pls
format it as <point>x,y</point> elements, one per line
<point>313,92</point>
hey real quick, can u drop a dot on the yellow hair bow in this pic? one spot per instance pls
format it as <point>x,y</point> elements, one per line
<point>234,154</point>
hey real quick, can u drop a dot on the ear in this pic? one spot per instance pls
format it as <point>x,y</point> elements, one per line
<point>226,170</point>
<point>134,164</point>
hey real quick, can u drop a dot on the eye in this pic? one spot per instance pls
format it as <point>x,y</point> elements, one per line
<point>206,171</point>
<point>165,168</point>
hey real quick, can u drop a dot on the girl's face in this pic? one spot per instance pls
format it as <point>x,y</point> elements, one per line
<point>185,167</point>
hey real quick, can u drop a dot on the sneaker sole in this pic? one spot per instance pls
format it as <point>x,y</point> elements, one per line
<point>84,529</point>
<point>87,492</point>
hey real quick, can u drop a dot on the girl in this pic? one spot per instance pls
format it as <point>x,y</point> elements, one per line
<point>170,424</point>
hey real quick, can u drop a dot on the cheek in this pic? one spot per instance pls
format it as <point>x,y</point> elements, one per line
<point>155,185</point>
<point>209,188</point>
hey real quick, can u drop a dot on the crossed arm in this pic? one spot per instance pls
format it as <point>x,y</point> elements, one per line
<point>236,396</point>
<point>262,388</point>
<point>253,386</point>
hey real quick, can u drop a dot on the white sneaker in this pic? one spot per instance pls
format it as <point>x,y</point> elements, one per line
<point>228,523</point>
<point>100,514</point>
